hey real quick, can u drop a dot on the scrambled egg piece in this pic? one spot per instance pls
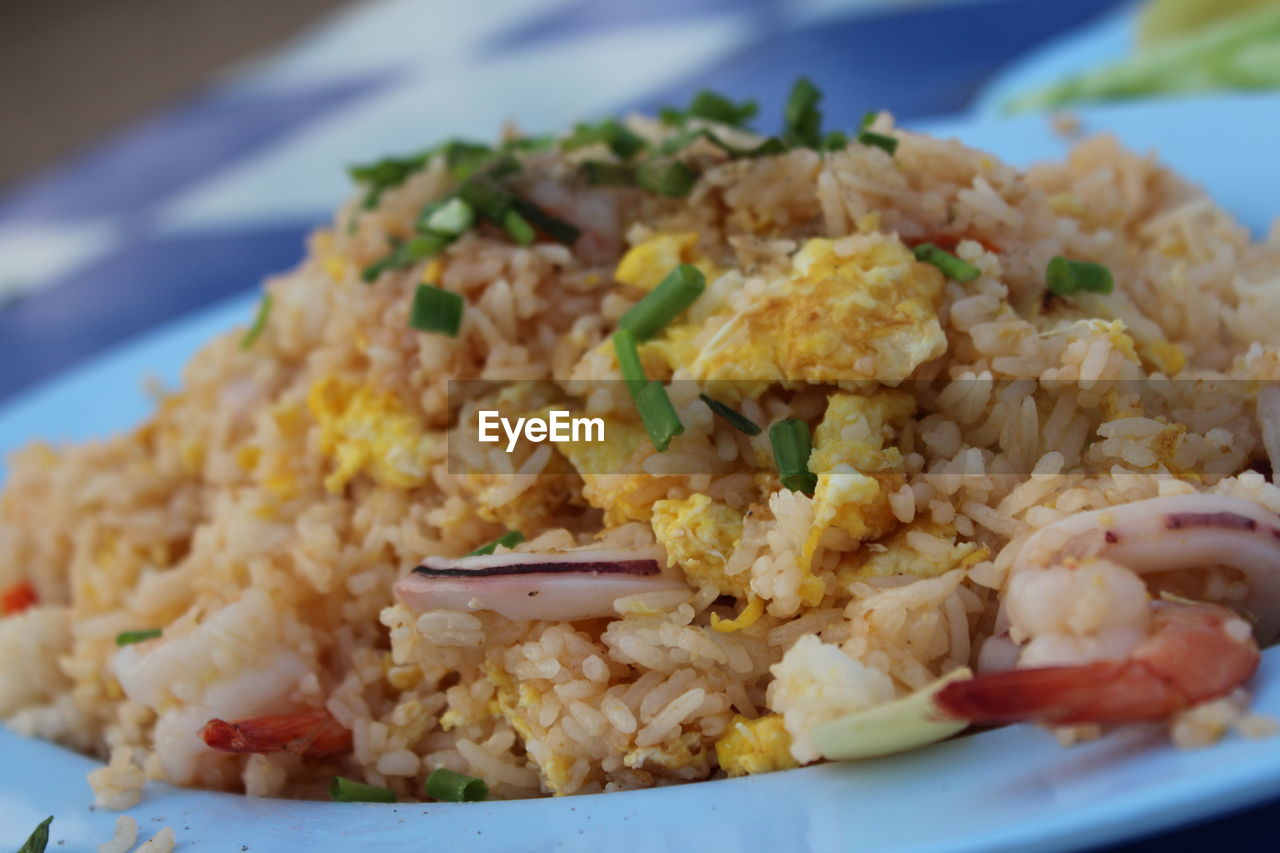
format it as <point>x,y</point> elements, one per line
<point>870,316</point>
<point>623,496</point>
<point>699,534</point>
<point>755,746</point>
<point>368,431</point>
<point>856,472</point>
<point>646,264</point>
<point>682,752</point>
<point>894,555</point>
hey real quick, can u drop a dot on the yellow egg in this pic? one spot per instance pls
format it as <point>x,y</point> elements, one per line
<point>699,534</point>
<point>871,314</point>
<point>646,264</point>
<point>755,746</point>
<point>366,431</point>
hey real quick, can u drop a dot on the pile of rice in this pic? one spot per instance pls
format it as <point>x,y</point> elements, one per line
<point>263,513</point>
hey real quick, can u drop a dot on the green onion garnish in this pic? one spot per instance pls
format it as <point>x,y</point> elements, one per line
<point>510,539</point>
<point>611,132</point>
<point>557,229</point>
<point>1066,278</point>
<point>879,140</point>
<point>465,158</point>
<point>39,838</point>
<point>951,266</point>
<point>436,310</point>
<point>835,140</point>
<point>386,173</point>
<point>343,790</point>
<point>802,117</point>
<point>453,217</point>
<point>485,199</point>
<point>659,416</point>
<point>128,638</point>
<point>713,107</point>
<point>791,448</point>
<point>735,418</point>
<point>674,180</point>
<point>664,303</point>
<point>601,173</point>
<point>450,787</point>
<point>259,322</point>
<point>629,364</point>
<point>518,228</point>
<point>405,253</point>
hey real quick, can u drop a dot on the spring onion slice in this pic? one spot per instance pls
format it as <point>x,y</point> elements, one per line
<point>835,140</point>
<point>664,303</point>
<point>791,448</point>
<point>436,310</point>
<point>629,364</point>
<point>712,106</point>
<point>659,416</point>
<point>453,217</point>
<point>1066,278</point>
<point>611,132</point>
<point>879,140</point>
<point>128,638</point>
<point>510,539</point>
<point>39,838</point>
<point>518,228</point>
<point>259,323</point>
<point>735,418</point>
<point>343,790</point>
<point>803,119</point>
<point>951,266</point>
<point>674,180</point>
<point>450,787</point>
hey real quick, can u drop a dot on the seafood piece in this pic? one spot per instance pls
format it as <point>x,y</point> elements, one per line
<point>314,732</point>
<point>556,585</point>
<point>17,598</point>
<point>1192,654</point>
<point>914,721</point>
<point>1175,532</point>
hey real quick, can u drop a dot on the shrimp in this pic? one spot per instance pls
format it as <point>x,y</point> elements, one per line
<point>313,733</point>
<point>1192,653</point>
<point>17,598</point>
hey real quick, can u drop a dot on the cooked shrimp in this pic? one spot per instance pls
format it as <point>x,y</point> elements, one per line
<point>314,733</point>
<point>17,598</point>
<point>1192,653</point>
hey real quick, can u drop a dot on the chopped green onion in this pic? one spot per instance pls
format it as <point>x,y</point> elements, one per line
<point>259,322</point>
<point>343,790</point>
<point>868,119</point>
<point>518,228</point>
<point>453,217</point>
<point>485,199</point>
<point>603,173</point>
<point>791,448</point>
<point>712,107</point>
<point>128,638</point>
<point>1066,278</point>
<point>611,132</point>
<point>879,140</point>
<point>39,838</point>
<point>450,787</point>
<point>386,173</point>
<point>674,180</point>
<point>436,310</point>
<point>510,539</point>
<point>803,119</point>
<point>659,416</point>
<point>405,253</point>
<point>557,229</point>
<point>835,140</point>
<point>629,363</point>
<point>951,266</point>
<point>530,143</point>
<point>683,140</point>
<point>463,159</point>
<point>682,286</point>
<point>735,418</point>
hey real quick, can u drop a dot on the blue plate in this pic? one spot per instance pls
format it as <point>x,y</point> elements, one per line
<point>1009,789</point>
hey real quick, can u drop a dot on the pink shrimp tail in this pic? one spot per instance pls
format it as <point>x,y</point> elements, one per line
<point>1188,659</point>
<point>312,733</point>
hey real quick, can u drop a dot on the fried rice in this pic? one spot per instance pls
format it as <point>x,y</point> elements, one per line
<point>261,516</point>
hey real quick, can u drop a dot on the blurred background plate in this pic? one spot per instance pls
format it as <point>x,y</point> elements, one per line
<point>1010,789</point>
